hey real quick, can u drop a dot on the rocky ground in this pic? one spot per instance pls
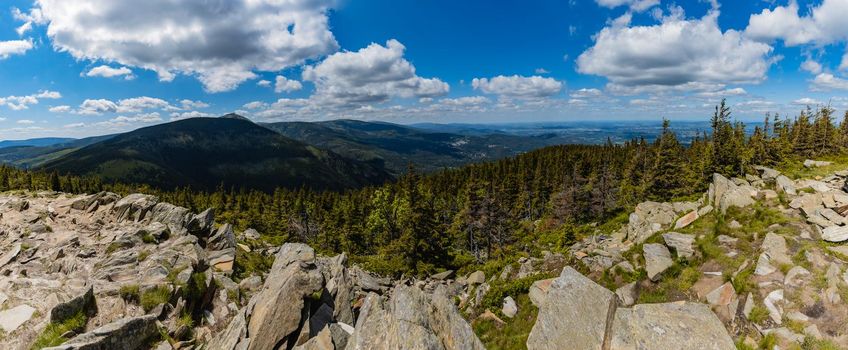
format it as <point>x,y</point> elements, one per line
<point>755,262</point>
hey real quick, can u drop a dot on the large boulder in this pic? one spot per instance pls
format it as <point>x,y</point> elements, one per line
<point>682,243</point>
<point>412,320</point>
<point>539,291</point>
<point>278,308</point>
<point>84,303</point>
<point>669,326</point>
<point>134,207</point>
<point>224,238</point>
<point>726,194</point>
<point>574,314</point>
<point>786,185</point>
<point>128,333</point>
<point>657,260</point>
<point>835,234</point>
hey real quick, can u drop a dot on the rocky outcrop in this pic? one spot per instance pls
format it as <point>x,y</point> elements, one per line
<point>584,315</point>
<point>278,308</point>
<point>725,193</point>
<point>669,326</point>
<point>576,312</point>
<point>129,333</point>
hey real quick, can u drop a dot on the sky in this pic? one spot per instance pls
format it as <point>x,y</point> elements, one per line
<point>80,68</point>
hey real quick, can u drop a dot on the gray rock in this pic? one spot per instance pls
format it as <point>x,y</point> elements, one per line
<point>84,303</point>
<point>657,260</point>
<point>441,276</point>
<point>134,207</point>
<point>767,173</point>
<point>128,333</point>
<point>201,224</point>
<point>232,335</point>
<point>341,333</point>
<point>251,234</point>
<point>539,291</point>
<point>412,320</point>
<point>682,243</point>
<point>509,308</point>
<point>477,277</point>
<point>764,266</point>
<point>10,255</point>
<point>809,163</point>
<point>223,238</point>
<point>627,294</point>
<point>13,318</point>
<point>830,234</point>
<point>686,220</point>
<point>277,308</point>
<point>669,326</point>
<point>786,185</point>
<point>322,341</point>
<point>775,246</point>
<point>575,314</point>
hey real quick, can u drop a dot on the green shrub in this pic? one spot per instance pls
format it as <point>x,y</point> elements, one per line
<point>52,334</point>
<point>129,292</point>
<point>153,297</point>
<point>758,314</point>
<point>514,333</point>
<point>501,289</point>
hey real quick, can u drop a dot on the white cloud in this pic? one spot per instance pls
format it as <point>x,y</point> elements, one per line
<point>284,84</point>
<point>518,86</point>
<point>110,72</point>
<point>60,109</point>
<point>189,104</point>
<point>97,106</point>
<point>824,25</point>
<point>584,93</point>
<point>222,43</point>
<point>26,121</point>
<point>264,83</point>
<point>138,104</point>
<point>192,114</point>
<point>811,66</point>
<point>676,54</point>
<point>806,101</point>
<point>14,47</point>
<point>844,64</point>
<point>24,28</point>
<point>140,118</point>
<point>373,74</point>
<point>827,81</point>
<point>255,105</point>
<point>542,71</point>
<point>635,5</point>
<point>723,93</point>
<point>18,103</point>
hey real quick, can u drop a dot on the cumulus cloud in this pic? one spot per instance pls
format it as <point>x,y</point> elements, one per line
<point>676,54</point>
<point>186,115</point>
<point>128,105</point>
<point>26,121</point>
<point>105,71</point>
<point>14,47</point>
<point>222,43</point>
<point>284,84</point>
<point>189,104</point>
<point>827,81</point>
<point>518,86</point>
<point>23,28</point>
<point>723,93</point>
<point>806,101</point>
<point>18,103</point>
<point>634,5</point>
<point>373,74</point>
<point>586,92</point>
<point>264,83</point>
<point>825,24</point>
<point>60,109</point>
<point>811,66</point>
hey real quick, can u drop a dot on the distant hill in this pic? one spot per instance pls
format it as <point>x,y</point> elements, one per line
<point>396,146</point>
<point>205,152</point>
<point>39,142</point>
<point>31,156</point>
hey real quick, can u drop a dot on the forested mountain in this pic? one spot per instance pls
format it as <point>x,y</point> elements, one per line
<point>397,146</point>
<point>32,153</point>
<point>42,141</point>
<point>485,211</point>
<point>204,153</point>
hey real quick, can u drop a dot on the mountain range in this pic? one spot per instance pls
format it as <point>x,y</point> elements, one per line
<point>206,152</point>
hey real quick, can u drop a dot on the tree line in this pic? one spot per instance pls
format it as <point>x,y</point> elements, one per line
<point>468,215</point>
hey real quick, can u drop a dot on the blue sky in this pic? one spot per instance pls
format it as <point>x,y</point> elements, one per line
<point>89,67</point>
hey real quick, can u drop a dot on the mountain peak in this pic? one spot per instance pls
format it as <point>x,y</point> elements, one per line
<point>235,116</point>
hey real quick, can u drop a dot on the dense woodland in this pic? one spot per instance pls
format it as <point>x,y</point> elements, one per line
<point>464,216</point>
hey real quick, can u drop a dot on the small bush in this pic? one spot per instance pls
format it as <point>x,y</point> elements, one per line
<point>501,289</point>
<point>148,238</point>
<point>758,315</point>
<point>142,255</point>
<point>52,334</point>
<point>153,297</point>
<point>130,293</point>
